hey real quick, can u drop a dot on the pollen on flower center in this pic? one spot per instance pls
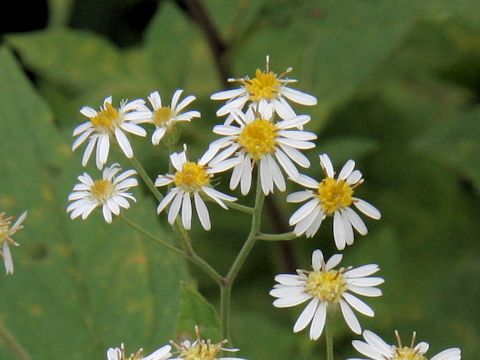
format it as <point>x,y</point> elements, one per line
<point>258,138</point>
<point>334,195</point>
<point>407,353</point>
<point>4,226</point>
<point>102,190</point>
<point>162,115</point>
<point>106,119</point>
<point>264,85</point>
<point>326,285</point>
<point>201,351</point>
<point>192,177</point>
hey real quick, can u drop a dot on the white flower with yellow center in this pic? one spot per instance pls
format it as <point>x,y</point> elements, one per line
<point>191,179</point>
<point>326,289</point>
<point>376,349</point>
<point>110,192</point>
<point>331,197</point>
<point>110,122</point>
<point>6,233</point>
<point>202,350</point>
<point>258,140</point>
<point>266,87</point>
<point>119,354</point>
<point>164,117</point>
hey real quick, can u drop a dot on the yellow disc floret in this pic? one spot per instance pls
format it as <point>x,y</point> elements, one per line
<point>162,115</point>
<point>192,177</point>
<point>4,226</point>
<point>264,85</point>
<point>334,195</point>
<point>106,119</point>
<point>326,285</point>
<point>102,190</point>
<point>258,138</point>
<point>407,353</point>
<point>201,351</point>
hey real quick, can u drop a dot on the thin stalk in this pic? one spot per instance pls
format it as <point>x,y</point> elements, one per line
<point>146,179</point>
<point>226,289</point>
<point>239,207</point>
<point>329,335</point>
<point>12,343</point>
<point>276,237</point>
<point>187,254</point>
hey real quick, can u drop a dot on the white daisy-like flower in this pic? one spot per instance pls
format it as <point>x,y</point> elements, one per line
<point>325,288</point>
<point>6,233</point>
<point>109,123</point>
<point>258,140</point>
<point>376,349</point>
<point>164,117</point>
<point>266,87</point>
<point>110,192</point>
<point>202,349</point>
<point>192,179</point>
<point>331,197</point>
<point>119,354</point>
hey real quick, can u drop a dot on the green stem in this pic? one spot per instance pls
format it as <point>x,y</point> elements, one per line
<point>12,342</point>
<point>239,207</point>
<point>329,336</point>
<point>226,289</point>
<point>183,236</point>
<point>276,237</point>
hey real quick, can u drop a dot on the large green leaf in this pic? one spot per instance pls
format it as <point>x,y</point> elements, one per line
<point>79,286</point>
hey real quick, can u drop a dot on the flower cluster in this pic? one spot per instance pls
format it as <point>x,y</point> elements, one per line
<point>6,233</point>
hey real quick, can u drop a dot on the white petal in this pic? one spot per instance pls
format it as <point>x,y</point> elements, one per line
<point>333,261</point>
<point>163,180</point>
<point>246,179</point>
<point>7,258</point>
<point>288,279</point>
<point>356,221</point>
<point>449,354</point>
<point>107,214</point>
<point>276,174</point>
<point>361,271</point>
<point>155,100</point>
<point>103,148</point>
<point>346,170</point>
<point>317,260</point>
<point>312,230</point>
<point>354,177</point>
<point>299,196</point>
<point>304,224</point>
<point>338,231</point>
<point>306,181</point>
<point>368,281</point>
<point>236,174</point>
<point>306,316</point>
<point>184,103</point>
<point>296,156</point>
<point>175,97</point>
<point>303,211</point>
<point>291,301</point>
<point>283,109</point>
<point>166,200</point>
<point>81,139</point>
<point>124,143</point>
<point>297,144</point>
<point>422,347</point>
<point>202,211</point>
<point>286,164</point>
<point>350,317</point>
<point>134,129</point>
<point>365,291</point>
<point>227,94</point>
<point>358,304</point>
<point>366,208</point>
<point>297,121</point>
<point>161,354</point>
<point>298,96</point>
<point>265,177</point>
<point>326,165</point>
<point>186,211</point>
<point>375,341</point>
<point>318,322</point>
<point>88,150</point>
<point>369,350</point>
<point>175,207</point>
<point>348,228</point>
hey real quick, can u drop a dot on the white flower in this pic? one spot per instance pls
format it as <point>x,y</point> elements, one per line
<point>324,288</point>
<point>6,233</point>
<point>258,140</point>
<point>119,354</point>
<point>202,350</point>
<point>110,122</point>
<point>266,87</point>
<point>164,117</point>
<point>191,179</point>
<point>110,192</point>
<point>331,197</point>
<point>376,349</point>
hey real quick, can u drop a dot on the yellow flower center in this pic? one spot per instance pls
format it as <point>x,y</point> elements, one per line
<point>4,226</point>
<point>192,177</point>
<point>264,85</point>
<point>162,115</point>
<point>106,119</point>
<point>334,195</point>
<point>326,285</point>
<point>258,138</point>
<point>407,353</point>
<point>102,190</point>
<point>201,351</point>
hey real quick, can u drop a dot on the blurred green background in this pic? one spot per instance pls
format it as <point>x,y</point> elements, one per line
<point>398,86</point>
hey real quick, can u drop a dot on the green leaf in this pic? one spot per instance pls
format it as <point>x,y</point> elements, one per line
<point>72,59</point>
<point>195,310</point>
<point>79,286</point>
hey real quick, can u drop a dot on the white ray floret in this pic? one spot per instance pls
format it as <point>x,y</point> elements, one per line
<point>110,192</point>
<point>119,354</point>
<point>375,348</point>
<point>192,180</point>
<point>331,197</point>
<point>202,349</point>
<point>110,124</point>
<point>6,233</point>
<point>325,288</point>
<point>266,88</point>
<point>164,117</point>
<point>256,140</point>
